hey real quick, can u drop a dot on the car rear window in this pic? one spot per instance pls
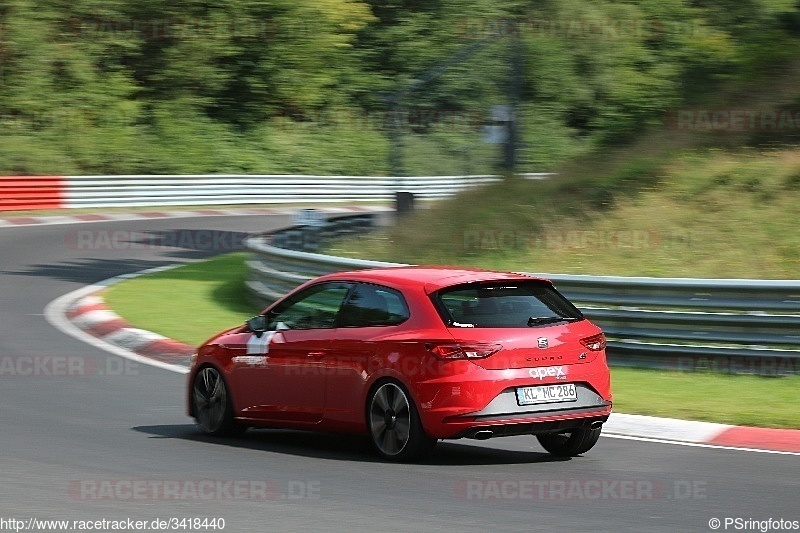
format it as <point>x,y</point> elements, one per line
<point>520,304</point>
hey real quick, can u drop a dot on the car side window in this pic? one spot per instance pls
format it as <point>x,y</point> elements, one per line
<point>314,308</point>
<point>373,305</point>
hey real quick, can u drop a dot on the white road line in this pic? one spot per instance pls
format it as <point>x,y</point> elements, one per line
<point>698,444</point>
<point>55,313</point>
<point>664,428</point>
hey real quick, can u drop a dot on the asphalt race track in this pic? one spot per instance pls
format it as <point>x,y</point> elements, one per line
<point>108,440</point>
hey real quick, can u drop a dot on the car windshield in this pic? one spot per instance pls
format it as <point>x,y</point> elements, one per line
<point>519,304</point>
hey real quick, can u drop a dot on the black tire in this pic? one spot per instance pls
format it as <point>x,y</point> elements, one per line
<point>577,442</point>
<point>213,409</point>
<point>394,425</point>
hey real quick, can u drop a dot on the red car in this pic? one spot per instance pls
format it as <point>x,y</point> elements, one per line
<point>409,356</point>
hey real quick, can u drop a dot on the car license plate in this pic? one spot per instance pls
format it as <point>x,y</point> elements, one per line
<point>547,394</point>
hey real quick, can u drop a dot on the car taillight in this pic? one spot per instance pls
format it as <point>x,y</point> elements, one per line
<point>463,350</point>
<point>595,342</point>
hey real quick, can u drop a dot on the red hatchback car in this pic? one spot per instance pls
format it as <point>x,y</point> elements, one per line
<point>409,356</point>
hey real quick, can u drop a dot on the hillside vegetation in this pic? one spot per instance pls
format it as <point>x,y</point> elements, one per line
<point>247,86</point>
<point>699,201</point>
<point>702,212</point>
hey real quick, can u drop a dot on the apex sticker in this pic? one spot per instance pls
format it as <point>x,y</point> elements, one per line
<point>540,373</point>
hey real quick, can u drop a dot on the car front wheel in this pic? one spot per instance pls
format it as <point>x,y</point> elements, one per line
<point>570,444</point>
<point>394,425</point>
<point>212,404</point>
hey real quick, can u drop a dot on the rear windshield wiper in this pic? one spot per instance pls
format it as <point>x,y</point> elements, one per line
<point>541,320</point>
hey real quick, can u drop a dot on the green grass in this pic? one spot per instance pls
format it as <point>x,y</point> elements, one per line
<point>730,399</point>
<point>193,302</point>
<point>675,211</point>
<point>189,303</point>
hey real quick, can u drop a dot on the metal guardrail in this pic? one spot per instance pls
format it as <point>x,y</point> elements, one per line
<point>67,192</point>
<point>30,192</point>
<point>230,189</point>
<point>727,325</point>
<point>283,260</point>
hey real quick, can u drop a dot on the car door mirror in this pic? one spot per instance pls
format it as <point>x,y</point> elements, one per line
<point>257,324</point>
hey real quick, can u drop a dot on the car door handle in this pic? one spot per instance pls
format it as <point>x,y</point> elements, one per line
<point>316,354</point>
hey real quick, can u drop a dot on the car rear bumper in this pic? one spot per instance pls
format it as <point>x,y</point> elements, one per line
<point>486,401</point>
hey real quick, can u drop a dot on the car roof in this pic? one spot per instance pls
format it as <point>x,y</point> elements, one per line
<point>433,278</point>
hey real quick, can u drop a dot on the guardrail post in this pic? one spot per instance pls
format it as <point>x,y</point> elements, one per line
<point>403,202</point>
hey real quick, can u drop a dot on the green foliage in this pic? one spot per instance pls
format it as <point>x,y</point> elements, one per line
<point>120,86</point>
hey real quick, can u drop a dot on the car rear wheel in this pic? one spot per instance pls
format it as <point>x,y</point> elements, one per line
<point>394,424</point>
<point>570,444</point>
<point>212,404</point>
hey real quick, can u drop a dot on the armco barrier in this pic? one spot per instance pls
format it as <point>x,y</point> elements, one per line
<point>125,191</point>
<point>41,192</point>
<point>31,192</point>
<point>736,326</point>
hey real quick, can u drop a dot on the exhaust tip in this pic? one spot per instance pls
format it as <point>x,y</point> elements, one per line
<point>483,434</point>
<point>596,425</point>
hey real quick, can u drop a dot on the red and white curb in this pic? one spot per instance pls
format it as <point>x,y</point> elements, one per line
<point>43,220</point>
<point>703,434</point>
<point>84,315</point>
<point>91,314</point>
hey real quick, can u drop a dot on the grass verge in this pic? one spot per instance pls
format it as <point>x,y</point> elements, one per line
<point>193,302</point>
<point>188,303</point>
<point>728,399</point>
